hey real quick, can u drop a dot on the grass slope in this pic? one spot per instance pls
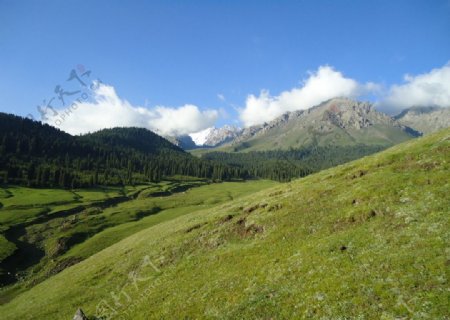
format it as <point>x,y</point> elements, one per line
<point>59,241</point>
<point>367,240</point>
<point>167,208</point>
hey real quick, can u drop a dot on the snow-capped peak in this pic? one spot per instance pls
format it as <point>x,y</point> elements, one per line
<point>201,137</point>
<point>213,136</point>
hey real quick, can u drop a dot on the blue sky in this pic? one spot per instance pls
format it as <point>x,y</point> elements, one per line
<point>177,53</point>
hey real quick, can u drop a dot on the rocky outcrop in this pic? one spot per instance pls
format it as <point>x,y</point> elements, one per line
<point>425,119</point>
<point>79,315</point>
<point>343,113</point>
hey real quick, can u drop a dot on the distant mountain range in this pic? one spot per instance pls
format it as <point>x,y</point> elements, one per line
<point>425,119</point>
<point>339,121</point>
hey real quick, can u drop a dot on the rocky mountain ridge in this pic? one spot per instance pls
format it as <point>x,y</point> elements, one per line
<point>425,119</point>
<point>342,116</point>
<point>347,118</point>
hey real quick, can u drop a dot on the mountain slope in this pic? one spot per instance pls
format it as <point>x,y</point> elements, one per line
<point>339,121</point>
<point>185,142</point>
<point>367,240</point>
<point>425,119</point>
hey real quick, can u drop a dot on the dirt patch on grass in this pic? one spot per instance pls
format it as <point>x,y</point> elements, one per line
<point>358,174</point>
<point>359,218</point>
<point>225,219</point>
<point>276,193</point>
<point>194,227</point>
<point>255,207</point>
<point>275,207</point>
<point>246,231</point>
<point>63,264</point>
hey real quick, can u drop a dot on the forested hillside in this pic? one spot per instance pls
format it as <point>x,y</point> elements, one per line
<point>284,165</point>
<point>36,154</point>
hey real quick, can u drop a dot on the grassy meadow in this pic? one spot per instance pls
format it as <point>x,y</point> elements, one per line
<point>366,240</point>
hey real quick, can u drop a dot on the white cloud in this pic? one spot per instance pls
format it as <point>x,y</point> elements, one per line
<point>105,109</point>
<point>428,89</point>
<point>108,110</point>
<point>324,84</point>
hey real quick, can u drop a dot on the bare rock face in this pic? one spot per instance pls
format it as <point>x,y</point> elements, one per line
<point>79,315</point>
<point>425,119</point>
<point>349,114</point>
<point>343,113</point>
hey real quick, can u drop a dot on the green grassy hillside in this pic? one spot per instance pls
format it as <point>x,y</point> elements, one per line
<point>367,240</point>
<point>44,231</point>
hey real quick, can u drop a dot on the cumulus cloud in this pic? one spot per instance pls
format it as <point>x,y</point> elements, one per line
<point>321,85</point>
<point>108,110</point>
<point>105,109</point>
<point>428,89</point>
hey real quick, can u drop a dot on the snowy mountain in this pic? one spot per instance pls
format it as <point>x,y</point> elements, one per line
<point>213,137</point>
<point>201,137</point>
